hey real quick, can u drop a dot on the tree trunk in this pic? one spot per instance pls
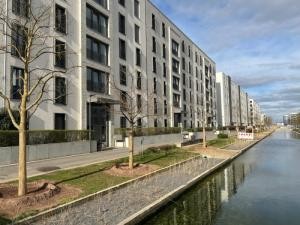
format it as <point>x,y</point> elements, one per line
<point>22,190</point>
<point>131,148</point>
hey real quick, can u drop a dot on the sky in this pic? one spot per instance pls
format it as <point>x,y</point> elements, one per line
<point>256,42</point>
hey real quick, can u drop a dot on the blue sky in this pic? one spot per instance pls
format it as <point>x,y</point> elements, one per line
<point>256,42</point>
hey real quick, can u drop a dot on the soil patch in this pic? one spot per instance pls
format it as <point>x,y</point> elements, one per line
<point>124,171</point>
<point>41,195</point>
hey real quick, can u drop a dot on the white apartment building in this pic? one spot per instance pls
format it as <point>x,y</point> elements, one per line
<point>223,83</point>
<point>114,46</point>
<point>255,113</point>
<point>232,102</point>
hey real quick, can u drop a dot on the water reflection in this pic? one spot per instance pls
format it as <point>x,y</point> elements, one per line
<point>201,204</point>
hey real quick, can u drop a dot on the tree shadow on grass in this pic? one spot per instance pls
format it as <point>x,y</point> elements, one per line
<point>82,175</point>
<point>4,221</point>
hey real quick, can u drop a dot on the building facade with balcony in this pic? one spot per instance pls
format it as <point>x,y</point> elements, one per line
<point>116,47</point>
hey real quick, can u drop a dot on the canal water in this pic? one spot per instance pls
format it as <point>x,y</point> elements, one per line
<point>262,187</point>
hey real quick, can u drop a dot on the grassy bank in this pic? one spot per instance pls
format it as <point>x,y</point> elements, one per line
<point>221,142</point>
<point>93,178</point>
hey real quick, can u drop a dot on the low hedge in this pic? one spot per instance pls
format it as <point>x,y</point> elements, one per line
<point>223,136</point>
<point>138,132</point>
<point>35,137</point>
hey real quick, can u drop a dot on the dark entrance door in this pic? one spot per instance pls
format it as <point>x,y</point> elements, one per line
<point>177,119</point>
<point>100,117</point>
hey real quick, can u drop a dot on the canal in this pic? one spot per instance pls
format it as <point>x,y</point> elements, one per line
<point>261,187</point>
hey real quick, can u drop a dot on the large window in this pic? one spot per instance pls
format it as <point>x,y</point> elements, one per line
<point>136,8</point>
<point>123,79</point>
<point>176,100</point>
<point>16,82</point>
<point>18,40</point>
<point>122,122</point>
<point>96,21</point>
<point>138,56</point>
<point>122,49</point>
<point>20,7</point>
<point>122,24</point>
<point>164,51</point>
<point>97,81</point>
<point>60,19</point>
<point>163,27</point>
<point>60,54</point>
<point>59,121</point>
<point>97,50</point>
<point>137,33</point>
<point>139,81</point>
<point>176,82</point>
<point>60,90</point>
<point>103,3</point>
<point>175,47</point>
<point>139,102</point>
<point>122,2</point>
<point>175,65</point>
<point>153,22</point>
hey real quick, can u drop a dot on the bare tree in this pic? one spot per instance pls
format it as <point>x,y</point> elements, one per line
<point>134,107</point>
<point>30,40</point>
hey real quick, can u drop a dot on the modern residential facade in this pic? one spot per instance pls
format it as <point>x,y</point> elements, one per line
<point>234,106</point>
<point>117,47</point>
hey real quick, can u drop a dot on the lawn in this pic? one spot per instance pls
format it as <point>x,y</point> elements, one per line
<point>91,179</point>
<point>221,142</point>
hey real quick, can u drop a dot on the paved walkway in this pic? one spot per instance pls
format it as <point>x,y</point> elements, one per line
<point>10,172</point>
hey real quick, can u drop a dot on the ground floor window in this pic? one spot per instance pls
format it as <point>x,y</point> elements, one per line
<point>59,121</point>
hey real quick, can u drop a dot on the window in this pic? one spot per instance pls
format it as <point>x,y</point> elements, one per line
<point>155,123</point>
<point>176,82</point>
<point>183,63</point>
<point>122,2</point>
<point>155,105</point>
<point>18,40</point>
<point>190,68</point>
<point>123,75</point>
<point>59,121</point>
<point>122,24</point>
<point>139,102</point>
<point>138,57</point>
<point>184,95</point>
<point>122,122</point>
<point>175,47</point>
<point>165,89</point>
<point>60,54</point>
<point>153,45</point>
<point>154,85</point>
<point>137,33</point>
<point>153,22</point>
<point>176,100</point>
<point>166,123</point>
<point>60,91</point>
<point>97,81</point>
<point>122,49</point>
<point>103,3</point>
<point>189,51</point>
<point>97,50</point>
<point>154,65</point>
<point>60,19</point>
<point>164,70</point>
<point>175,65</point>
<point>136,8</point>
<point>16,82</point>
<point>163,29</point>
<point>190,81</point>
<point>139,122</point>
<point>183,46</point>
<point>96,21</point>
<point>20,7</point>
<point>139,81</point>
<point>165,107</point>
<point>164,51</point>
<point>183,78</point>
<point>123,100</point>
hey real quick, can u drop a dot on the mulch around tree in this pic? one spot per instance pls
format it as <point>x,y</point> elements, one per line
<point>41,195</point>
<point>138,170</point>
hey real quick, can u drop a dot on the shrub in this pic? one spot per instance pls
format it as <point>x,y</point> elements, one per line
<point>222,135</point>
<point>35,137</point>
<point>138,132</point>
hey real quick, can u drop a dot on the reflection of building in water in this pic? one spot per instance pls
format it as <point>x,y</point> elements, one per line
<point>200,205</point>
